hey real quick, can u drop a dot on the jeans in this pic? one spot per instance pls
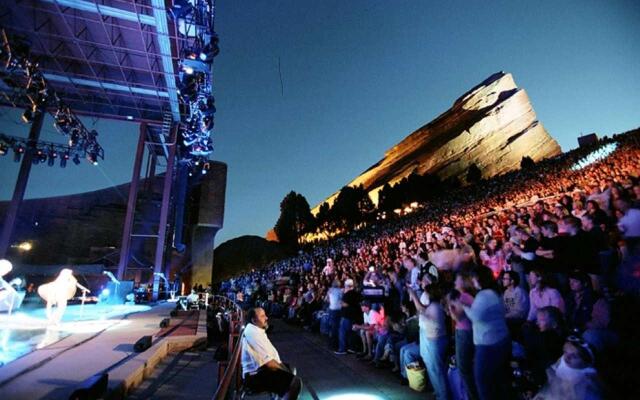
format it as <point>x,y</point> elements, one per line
<point>464,361</point>
<point>490,368</point>
<point>344,334</point>
<point>434,354</point>
<point>334,324</point>
<point>408,353</point>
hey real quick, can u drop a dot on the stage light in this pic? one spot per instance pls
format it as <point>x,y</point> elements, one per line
<point>187,69</point>
<point>74,137</point>
<point>210,50</point>
<point>180,9</point>
<point>105,292</point>
<point>53,154</point>
<point>3,149</point>
<point>41,155</point>
<point>92,158</point>
<point>129,117</point>
<point>25,246</point>
<point>18,150</point>
<point>27,116</point>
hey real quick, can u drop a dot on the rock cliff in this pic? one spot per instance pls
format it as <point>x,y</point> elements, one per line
<point>493,126</point>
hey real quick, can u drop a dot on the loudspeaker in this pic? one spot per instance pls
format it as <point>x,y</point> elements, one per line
<point>93,388</point>
<point>165,322</point>
<point>142,344</point>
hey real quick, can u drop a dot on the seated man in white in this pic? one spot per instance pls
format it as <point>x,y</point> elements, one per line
<point>261,366</point>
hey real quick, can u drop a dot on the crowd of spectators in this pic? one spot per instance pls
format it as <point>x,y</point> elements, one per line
<point>524,285</point>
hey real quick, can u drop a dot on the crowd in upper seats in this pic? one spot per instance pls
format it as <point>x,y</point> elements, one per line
<point>524,285</point>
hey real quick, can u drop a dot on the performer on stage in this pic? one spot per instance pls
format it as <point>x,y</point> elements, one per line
<point>58,292</point>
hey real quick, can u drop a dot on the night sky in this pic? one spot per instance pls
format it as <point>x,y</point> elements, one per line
<point>359,76</point>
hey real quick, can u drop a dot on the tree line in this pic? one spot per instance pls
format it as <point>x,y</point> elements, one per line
<point>353,208</point>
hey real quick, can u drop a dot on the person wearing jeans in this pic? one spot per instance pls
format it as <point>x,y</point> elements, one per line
<point>433,336</point>
<point>408,353</point>
<point>350,314</point>
<point>490,337</point>
<point>463,333</point>
<point>334,297</point>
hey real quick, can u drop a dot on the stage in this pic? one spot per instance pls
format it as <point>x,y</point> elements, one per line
<point>42,362</point>
<point>26,331</point>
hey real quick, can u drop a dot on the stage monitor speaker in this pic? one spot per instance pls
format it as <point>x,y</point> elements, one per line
<point>165,322</point>
<point>142,344</point>
<point>118,292</point>
<point>93,388</point>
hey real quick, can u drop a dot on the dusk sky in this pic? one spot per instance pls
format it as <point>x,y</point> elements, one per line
<point>359,76</point>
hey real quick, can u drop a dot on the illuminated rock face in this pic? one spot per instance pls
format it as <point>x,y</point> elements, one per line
<point>493,126</point>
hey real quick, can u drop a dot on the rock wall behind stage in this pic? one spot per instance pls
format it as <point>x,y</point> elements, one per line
<point>493,126</point>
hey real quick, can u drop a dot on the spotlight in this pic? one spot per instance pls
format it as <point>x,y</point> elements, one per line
<point>210,50</point>
<point>53,154</point>
<point>18,150</point>
<point>92,157</point>
<point>27,116</point>
<point>181,9</point>
<point>187,69</point>
<point>205,168</point>
<point>3,149</point>
<point>190,65</point>
<point>74,137</point>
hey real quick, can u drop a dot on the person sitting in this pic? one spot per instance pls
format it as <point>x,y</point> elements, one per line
<point>372,322</point>
<point>516,302</point>
<point>544,343</point>
<point>573,376</point>
<point>262,369</point>
<point>541,294</point>
<point>579,301</point>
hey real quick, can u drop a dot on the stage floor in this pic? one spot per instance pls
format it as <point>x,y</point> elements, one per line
<point>27,330</point>
<point>55,361</point>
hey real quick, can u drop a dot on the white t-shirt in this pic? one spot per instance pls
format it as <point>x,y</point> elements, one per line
<point>257,349</point>
<point>335,298</point>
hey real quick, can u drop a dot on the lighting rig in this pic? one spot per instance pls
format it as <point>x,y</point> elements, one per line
<point>15,59</point>
<point>199,46</point>
<point>43,152</point>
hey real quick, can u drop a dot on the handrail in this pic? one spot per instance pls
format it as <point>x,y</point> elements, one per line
<point>234,361</point>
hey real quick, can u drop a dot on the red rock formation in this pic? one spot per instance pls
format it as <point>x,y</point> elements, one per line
<point>493,126</point>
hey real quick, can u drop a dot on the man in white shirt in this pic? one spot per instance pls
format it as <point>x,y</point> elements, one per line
<point>262,369</point>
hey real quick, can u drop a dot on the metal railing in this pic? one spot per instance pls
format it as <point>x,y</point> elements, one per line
<point>229,371</point>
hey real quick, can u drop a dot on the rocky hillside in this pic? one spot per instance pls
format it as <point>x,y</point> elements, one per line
<point>493,126</point>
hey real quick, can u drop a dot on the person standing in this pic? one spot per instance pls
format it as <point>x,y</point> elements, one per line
<point>433,336</point>
<point>490,337</point>
<point>334,297</point>
<point>350,314</point>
